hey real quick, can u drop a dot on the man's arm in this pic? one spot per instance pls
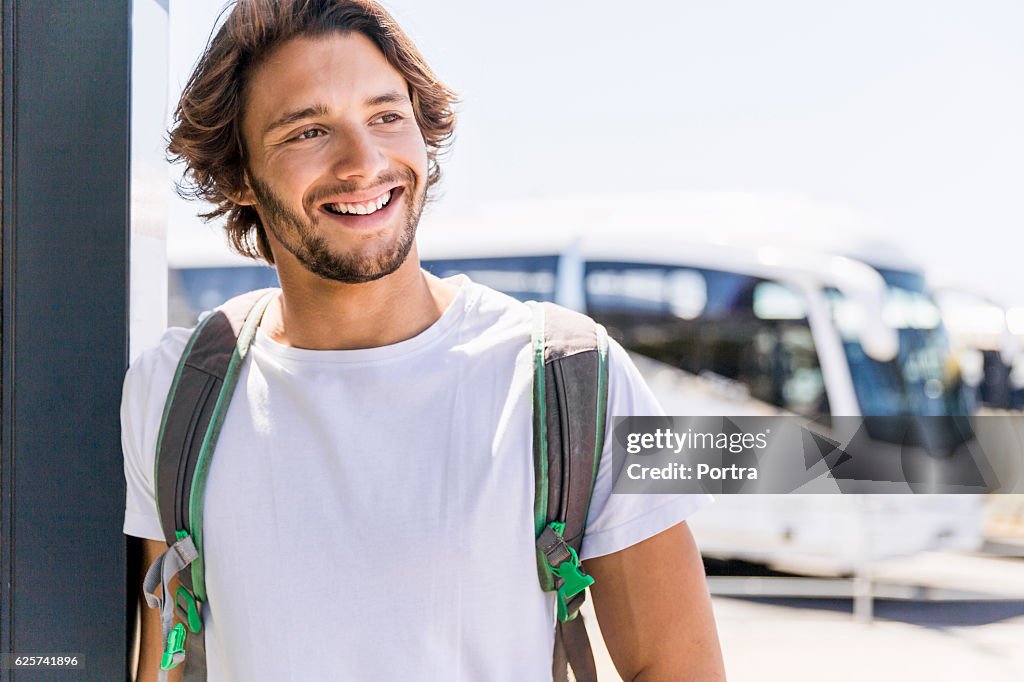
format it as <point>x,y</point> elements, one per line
<point>151,646</point>
<point>654,610</point>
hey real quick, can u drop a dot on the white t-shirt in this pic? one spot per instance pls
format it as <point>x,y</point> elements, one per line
<point>369,512</point>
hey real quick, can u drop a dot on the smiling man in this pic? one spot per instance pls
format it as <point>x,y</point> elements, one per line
<point>369,511</point>
<point>310,97</point>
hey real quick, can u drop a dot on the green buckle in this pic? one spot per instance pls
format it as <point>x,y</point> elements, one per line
<point>574,580</point>
<point>190,608</point>
<point>175,645</point>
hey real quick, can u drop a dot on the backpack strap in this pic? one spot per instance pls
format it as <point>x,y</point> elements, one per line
<point>570,399</point>
<point>570,393</point>
<point>193,414</point>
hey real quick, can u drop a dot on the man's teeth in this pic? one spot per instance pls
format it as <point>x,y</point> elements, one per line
<point>362,209</point>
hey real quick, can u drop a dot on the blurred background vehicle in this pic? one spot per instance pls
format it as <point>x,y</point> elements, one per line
<point>989,354</point>
<point>727,329</point>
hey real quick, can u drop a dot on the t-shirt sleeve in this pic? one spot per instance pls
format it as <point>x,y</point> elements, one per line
<point>142,401</point>
<point>617,521</point>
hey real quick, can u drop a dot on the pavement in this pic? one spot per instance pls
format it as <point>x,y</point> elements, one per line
<point>805,640</point>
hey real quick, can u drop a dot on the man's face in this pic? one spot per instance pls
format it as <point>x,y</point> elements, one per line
<point>337,165</point>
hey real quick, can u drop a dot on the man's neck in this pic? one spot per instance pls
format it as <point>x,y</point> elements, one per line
<point>319,314</point>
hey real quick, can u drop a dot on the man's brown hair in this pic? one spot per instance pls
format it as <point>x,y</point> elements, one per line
<point>206,134</point>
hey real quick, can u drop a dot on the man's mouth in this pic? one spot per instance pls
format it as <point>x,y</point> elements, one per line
<point>363,208</point>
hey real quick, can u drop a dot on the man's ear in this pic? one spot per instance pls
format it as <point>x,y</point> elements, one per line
<point>243,196</point>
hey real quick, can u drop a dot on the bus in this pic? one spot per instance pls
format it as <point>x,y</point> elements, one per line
<point>754,330</point>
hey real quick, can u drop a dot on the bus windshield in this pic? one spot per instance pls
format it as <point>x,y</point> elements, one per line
<point>922,379</point>
<point>750,330</point>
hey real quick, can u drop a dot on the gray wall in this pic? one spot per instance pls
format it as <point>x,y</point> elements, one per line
<point>64,332</point>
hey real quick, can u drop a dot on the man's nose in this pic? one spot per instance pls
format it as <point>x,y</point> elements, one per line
<point>358,155</point>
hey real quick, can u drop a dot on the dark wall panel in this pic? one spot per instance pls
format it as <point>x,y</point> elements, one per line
<point>65,256</point>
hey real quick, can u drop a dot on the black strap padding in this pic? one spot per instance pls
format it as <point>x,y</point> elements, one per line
<point>179,448</point>
<point>572,376</point>
<point>572,439</point>
<point>193,397</point>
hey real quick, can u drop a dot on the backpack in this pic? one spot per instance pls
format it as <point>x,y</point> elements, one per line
<point>570,394</point>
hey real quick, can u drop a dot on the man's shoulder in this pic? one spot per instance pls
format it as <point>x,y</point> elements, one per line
<point>143,396</point>
<point>155,366</point>
<point>498,308</point>
<point>492,314</point>
<point>172,342</point>
<point>485,301</point>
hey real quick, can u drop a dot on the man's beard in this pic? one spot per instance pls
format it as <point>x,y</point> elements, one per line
<point>299,234</point>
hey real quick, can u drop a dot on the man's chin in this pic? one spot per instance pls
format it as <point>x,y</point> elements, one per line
<point>354,267</point>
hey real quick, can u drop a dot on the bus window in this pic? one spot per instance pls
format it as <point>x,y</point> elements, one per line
<point>747,329</point>
<point>528,278</point>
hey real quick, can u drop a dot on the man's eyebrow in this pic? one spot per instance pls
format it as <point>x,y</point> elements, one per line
<point>292,116</point>
<point>393,97</point>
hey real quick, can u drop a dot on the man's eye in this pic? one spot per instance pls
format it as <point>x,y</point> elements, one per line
<point>309,134</point>
<point>388,118</point>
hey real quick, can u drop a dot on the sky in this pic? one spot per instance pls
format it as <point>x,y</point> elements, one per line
<point>898,124</point>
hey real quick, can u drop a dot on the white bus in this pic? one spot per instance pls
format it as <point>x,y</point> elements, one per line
<point>720,329</point>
